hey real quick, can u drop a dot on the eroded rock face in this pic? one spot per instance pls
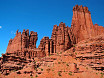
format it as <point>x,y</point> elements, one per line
<point>61,38</point>
<point>22,41</point>
<point>46,46</point>
<point>22,49</point>
<point>91,52</point>
<point>23,44</point>
<point>82,26</point>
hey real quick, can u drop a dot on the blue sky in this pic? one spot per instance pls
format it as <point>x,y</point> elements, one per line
<point>40,16</point>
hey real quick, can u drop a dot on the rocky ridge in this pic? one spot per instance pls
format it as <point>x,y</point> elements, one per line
<point>81,42</point>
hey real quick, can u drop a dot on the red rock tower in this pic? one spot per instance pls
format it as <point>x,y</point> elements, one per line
<point>60,37</point>
<point>82,26</point>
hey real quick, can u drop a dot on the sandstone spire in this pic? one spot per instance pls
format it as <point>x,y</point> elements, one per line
<point>60,37</point>
<point>82,26</point>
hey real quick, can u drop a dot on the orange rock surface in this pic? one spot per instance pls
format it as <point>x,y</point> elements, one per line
<point>72,52</point>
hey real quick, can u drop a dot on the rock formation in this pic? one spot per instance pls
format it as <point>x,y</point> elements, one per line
<point>82,26</point>
<point>22,48</point>
<point>23,44</point>
<point>61,38</point>
<point>22,41</point>
<point>91,52</point>
<point>46,46</point>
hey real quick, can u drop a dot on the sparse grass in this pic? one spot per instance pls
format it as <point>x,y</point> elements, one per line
<point>101,75</point>
<point>76,53</point>
<point>52,70</point>
<point>67,64</point>
<point>41,69</point>
<point>87,68</point>
<point>59,73</point>
<point>73,45</point>
<point>63,62</point>
<point>36,75</point>
<point>32,77</point>
<point>70,73</point>
<point>36,70</point>
<point>60,52</point>
<point>59,62</point>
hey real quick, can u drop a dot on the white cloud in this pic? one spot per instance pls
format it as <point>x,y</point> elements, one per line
<point>0,27</point>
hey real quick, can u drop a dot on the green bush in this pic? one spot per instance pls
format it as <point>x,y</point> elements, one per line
<point>59,73</point>
<point>67,64</point>
<point>59,62</point>
<point>70,73</point>
<point>41,69</point>
<point>36,75</point>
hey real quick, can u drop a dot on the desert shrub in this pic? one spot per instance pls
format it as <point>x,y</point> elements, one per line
<point>59,62</point>
<point>67,64</point>
<point>76,53</point>
<point>64,70</point>
<point>101,75</point>
<point>70,73</point>
<point>87,68</point>
<point>41,69</point>
<point>73,45</point>
<point>59,73</point>
<point>32,77</point>
<point>36,75</point>
<point>63,62</point>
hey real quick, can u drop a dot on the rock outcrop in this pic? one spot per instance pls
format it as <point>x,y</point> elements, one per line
<point>61,38</point>
<point>46,46</point>
<point>91,52</point>
<point>22,41</point>
<point>82,26</point>
<point>22,49</point>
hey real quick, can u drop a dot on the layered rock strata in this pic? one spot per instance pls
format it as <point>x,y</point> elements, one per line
<point>23,46</point>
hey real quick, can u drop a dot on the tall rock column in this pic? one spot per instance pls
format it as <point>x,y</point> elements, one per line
<point>61,38</point>
<point>33,40</point>
<point>82,26</point>
<point>23,40</point>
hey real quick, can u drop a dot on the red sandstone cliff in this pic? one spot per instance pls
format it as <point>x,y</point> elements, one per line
<point>21,50</point>
<point>62,37</point>
<point>82,26</point>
